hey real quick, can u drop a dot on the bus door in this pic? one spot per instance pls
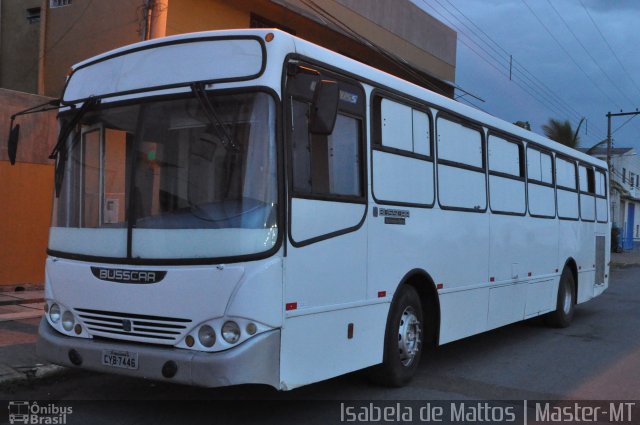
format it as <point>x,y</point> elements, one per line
<point>326,251</point>
<point>326,321</point>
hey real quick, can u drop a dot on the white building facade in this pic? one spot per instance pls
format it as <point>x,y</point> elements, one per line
<point>625,193</point>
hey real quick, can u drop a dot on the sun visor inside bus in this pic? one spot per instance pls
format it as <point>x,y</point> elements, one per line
<point>167,65</point>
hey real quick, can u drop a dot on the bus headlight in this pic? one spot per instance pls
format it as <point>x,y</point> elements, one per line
<point>231,332</point>
<point>206,336</point>
<point>54,313</point>
<point>68,320</point>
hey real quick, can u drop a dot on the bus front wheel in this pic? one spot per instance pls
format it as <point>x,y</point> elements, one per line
<point>403,339</point>
<point>562,316</point>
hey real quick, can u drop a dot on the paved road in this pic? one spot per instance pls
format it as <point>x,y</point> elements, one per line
<point>598,357</point>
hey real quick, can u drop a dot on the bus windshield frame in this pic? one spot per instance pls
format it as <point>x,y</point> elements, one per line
<point>205,186</point>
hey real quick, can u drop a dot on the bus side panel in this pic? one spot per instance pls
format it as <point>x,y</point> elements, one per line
<point>463,313</point>
<point>317,346</point>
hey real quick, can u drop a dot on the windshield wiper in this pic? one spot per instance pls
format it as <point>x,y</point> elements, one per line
<point>60,150</point>
<point>210,112</point>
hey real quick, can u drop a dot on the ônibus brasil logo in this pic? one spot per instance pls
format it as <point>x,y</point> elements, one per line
<point>27,412</point>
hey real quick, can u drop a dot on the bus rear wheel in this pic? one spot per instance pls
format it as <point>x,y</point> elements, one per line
<point>565,305</point>
<point>403,340</point>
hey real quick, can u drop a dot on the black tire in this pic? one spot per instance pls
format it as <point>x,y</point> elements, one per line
<point>565,305</point>
<point>401,356</point>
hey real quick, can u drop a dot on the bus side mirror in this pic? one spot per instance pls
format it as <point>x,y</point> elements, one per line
<point>324,108</point>
<point>12,143</point>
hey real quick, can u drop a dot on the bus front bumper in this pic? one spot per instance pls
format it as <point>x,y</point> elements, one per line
<point>256,361</point>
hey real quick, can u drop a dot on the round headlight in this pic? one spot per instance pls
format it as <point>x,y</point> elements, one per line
<point>207,336</point>
<point>68,320</point>
<point>231,332</point>
<point>54,313</point>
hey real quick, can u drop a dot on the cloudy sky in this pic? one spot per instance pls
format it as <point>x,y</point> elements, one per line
<point>571,59</point>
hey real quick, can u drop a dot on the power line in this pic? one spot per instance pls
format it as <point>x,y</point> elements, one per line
<point>609,47</point>
<point>568,54</point>
<point>547,101</point>
<point>524,73</point>
<point>589,54</point>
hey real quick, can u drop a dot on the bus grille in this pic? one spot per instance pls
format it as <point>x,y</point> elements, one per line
<point>133,327</point>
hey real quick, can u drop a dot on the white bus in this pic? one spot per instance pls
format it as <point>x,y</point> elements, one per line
<point>247,207</point>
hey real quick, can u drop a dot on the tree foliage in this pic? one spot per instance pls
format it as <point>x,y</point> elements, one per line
<point>562,132</point>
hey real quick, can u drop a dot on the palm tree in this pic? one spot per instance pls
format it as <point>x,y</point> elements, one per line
<point>562,132</point>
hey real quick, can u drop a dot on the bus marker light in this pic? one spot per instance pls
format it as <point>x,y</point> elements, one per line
<point>291,306</point>
<point>78,329</point>
<point>492,279</point>
<point>350,331</point>
<point>440,286</point>
<point>556,270</point>
<point>382,294</point>
<point>251,328</point>
<point>269,37</point>
<point>189,340</point>
<point>529,274</point>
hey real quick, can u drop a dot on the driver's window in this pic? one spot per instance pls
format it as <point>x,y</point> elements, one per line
<point>326,165</point>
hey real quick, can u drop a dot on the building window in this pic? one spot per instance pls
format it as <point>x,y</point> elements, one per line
<point>59,3</point>
<point>624,175</point>
<point>637,230</point>
<point>632,179</point>
<point>33,15</point>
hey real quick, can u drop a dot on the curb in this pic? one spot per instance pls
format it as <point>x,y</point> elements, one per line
<point>623,265</point>
<point>20,375</point>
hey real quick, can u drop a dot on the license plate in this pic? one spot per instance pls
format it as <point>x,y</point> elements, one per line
<point>122,359</point>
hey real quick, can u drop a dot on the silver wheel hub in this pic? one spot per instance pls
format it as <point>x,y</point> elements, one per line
<point>409,336</point>
<point>568,301</point>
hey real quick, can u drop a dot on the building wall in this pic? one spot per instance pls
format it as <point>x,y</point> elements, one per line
<point>25,191</point>
<point>19,40</point>
<point>83,29</point>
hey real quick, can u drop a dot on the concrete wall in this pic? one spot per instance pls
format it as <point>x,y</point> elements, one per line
<point>19,40</point>
<point>25,190</point>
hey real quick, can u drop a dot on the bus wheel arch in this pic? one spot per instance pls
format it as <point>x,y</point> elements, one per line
<point>411,327</point>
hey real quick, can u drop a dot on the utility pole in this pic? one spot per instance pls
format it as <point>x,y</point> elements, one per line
<point>609,115</point>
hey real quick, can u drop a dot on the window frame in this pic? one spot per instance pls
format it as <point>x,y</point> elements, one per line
<point>359,116</point>
<point>375,100</point>
<point>449,116</point>
<point>542,150</point>
<point>522,166</point>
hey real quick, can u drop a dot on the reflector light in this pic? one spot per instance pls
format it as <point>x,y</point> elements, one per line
<point>492,279</point>
<point>529,274</point>
<point>439,286</point>
<point>382,294</point>
<point>291,306</point>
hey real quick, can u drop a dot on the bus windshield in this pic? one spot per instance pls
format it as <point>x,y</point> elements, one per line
<point>184,178</point>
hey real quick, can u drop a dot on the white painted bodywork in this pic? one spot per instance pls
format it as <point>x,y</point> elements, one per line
<point>491,269</point>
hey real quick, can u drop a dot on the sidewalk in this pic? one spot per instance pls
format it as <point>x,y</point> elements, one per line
<point>625,259</point>
<point>20,313</point>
